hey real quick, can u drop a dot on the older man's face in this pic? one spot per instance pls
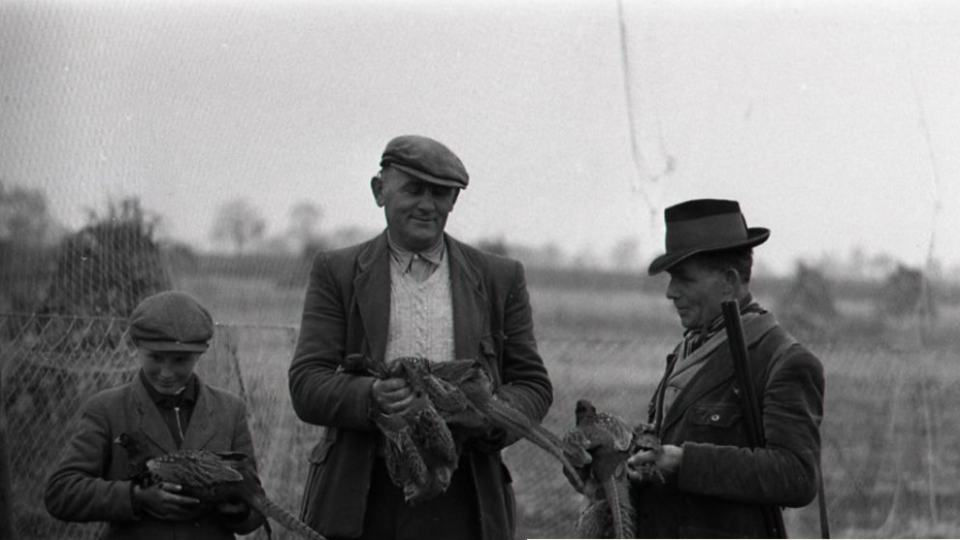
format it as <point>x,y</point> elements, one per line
<point>696,292</point>
<point>416,210</point>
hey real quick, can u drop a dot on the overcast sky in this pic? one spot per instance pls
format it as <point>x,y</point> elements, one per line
<point>834,123</point>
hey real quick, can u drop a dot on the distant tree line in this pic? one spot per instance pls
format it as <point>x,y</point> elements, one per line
<point>30,239</point>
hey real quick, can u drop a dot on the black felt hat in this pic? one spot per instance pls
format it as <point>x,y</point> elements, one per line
<point>171,321</point>
<point>704,225</point>
<point>426,159</point>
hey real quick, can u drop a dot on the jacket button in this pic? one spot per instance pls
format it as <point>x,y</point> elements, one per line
<point>715,417</point>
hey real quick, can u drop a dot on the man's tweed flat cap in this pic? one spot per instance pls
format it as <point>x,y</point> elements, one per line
<point>426,159</point>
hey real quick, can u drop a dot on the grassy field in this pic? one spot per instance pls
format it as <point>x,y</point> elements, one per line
<point>890,442</point>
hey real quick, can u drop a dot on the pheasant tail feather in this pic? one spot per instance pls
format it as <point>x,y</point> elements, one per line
<point>517,423</point>
<point>271,510</point>
<point>617,492</point>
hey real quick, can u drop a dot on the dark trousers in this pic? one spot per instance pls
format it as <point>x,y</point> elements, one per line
<point>451,516</point>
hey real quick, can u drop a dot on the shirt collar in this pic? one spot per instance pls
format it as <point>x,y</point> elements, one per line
<point>403,257</point>
<point>187,396</point>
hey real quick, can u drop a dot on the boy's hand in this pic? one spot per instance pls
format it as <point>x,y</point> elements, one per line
<point>163,501</point>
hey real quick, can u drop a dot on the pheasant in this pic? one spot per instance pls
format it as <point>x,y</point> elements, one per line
<point>420,452</point>
<point>610,442</point>
<point>211,477</point>
<point>453,399</point>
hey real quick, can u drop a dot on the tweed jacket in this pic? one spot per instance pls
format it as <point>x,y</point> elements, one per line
<point>346,311</point>
<point>89,484</point>
<point>722,482</point>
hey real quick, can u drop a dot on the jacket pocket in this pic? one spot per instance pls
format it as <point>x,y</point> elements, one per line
<point>722,415</point>
<point>717,423</point>
<point>311,490</point>
<point>491,351</point>
<point>320,451</point>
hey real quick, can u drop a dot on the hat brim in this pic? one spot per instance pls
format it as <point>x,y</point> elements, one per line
<point>755,237</point>
<point>429,178</point>
<point>171,346</point>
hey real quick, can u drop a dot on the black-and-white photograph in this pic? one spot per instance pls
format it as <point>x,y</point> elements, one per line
<point>479,269</point>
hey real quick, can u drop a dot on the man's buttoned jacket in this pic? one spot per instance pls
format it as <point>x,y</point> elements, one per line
<point>722,482</point>
<point>346,311</point>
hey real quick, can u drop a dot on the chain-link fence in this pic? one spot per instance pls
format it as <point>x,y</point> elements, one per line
<point>890,458</point>
<point>50,370</point>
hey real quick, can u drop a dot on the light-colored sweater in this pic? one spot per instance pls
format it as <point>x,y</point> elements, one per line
<point>421,315</point>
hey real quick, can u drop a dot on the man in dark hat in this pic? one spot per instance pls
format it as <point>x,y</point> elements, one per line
<point>171,409</point>
<point>713,483</point>
<point>411,291</point>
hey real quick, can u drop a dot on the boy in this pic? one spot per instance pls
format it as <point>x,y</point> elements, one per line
<point>171,409</point>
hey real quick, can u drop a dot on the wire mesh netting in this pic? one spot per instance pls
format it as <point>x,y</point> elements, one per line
<point>46,382</point>
<point>887,462</point>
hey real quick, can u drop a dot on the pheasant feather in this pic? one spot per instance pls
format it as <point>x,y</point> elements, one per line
<point>211,477</point>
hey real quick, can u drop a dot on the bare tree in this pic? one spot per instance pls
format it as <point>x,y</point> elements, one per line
<point>625,254</point>
<point>238,223</point>
<point>304,220</point>
<point>24,216</point>
<point>905,292</point>
<point>497,246</point>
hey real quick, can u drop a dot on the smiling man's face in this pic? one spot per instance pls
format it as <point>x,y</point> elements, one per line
<point>416,210</point>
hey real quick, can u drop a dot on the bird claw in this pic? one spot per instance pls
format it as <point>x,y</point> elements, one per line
<point>649,471</point>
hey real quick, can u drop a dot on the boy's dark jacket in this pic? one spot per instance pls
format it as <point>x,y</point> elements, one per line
<point>90,482</point>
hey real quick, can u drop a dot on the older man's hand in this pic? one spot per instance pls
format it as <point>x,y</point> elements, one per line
<point>392,396</point>
<point>662,463</point>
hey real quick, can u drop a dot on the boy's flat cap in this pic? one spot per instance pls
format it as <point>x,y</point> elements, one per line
<point>171,321</point>
<point>426,159</point>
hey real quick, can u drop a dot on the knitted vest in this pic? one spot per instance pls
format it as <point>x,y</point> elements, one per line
<point>421,316</point>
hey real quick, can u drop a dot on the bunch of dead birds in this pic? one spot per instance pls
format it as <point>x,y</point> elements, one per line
<point>453,401</point>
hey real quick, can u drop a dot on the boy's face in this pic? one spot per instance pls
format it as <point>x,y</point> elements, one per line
<point>168,371</point>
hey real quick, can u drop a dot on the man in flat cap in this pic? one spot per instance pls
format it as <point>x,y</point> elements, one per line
<point>170,409</point>
<point>411,291</point>
<point>714,484</point>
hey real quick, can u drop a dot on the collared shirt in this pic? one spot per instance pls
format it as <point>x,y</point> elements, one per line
<point>175,410</point>
<point>405,259</point>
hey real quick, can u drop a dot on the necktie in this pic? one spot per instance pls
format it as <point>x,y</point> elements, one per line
<point>420,268</point>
